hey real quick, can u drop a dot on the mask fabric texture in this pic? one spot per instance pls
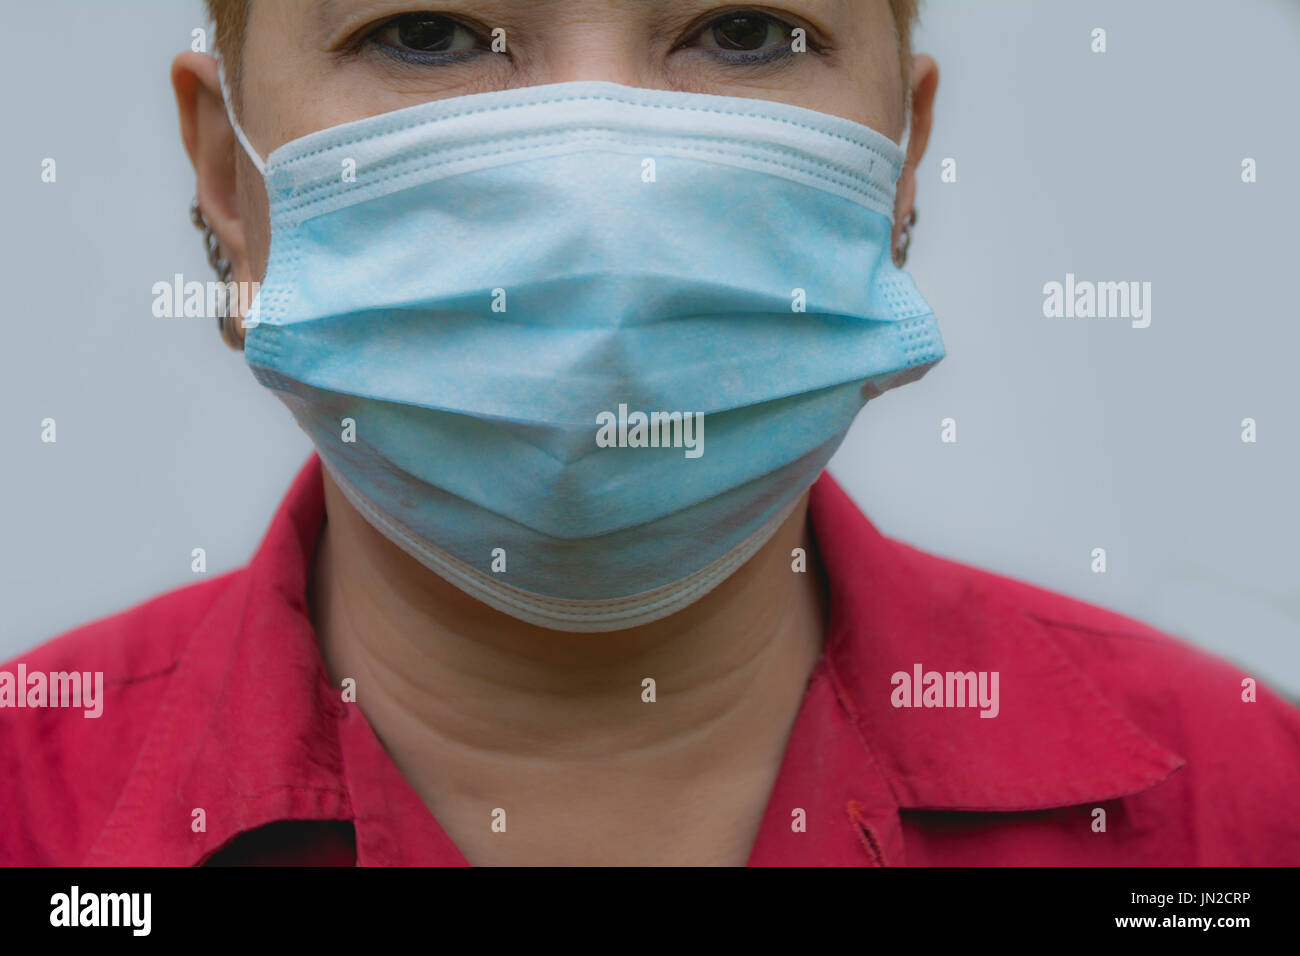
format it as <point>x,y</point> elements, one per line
<point>580,348</point>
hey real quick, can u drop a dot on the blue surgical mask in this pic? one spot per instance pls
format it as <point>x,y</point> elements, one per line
<point>581,348</point>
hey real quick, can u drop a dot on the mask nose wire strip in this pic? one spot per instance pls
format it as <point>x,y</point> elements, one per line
<point>230,115</point>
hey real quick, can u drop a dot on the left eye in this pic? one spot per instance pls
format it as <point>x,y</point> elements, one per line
<point>427,33</point>
<point>746,32</point>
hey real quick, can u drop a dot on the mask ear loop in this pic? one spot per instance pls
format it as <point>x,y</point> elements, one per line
<point>234,123</point>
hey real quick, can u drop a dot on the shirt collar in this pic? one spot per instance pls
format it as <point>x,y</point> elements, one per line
<point>252,672</point>
<point>1056,740</point>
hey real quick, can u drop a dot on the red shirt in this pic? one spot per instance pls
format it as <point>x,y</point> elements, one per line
<point>216,700</point>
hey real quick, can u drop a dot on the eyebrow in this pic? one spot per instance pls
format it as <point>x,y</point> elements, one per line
<point>332,8</point>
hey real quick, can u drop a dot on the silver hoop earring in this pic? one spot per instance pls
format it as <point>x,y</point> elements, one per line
<point>899,251</point>
<point>221,266</point>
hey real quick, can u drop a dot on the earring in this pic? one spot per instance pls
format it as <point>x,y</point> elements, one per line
<point>224,270</point>
<point>899,251</point>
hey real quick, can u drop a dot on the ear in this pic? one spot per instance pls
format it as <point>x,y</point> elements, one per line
<point>925,83</point>
<point>210,142</point>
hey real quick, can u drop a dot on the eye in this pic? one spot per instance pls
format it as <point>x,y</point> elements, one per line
<point>745,32</point>
<point>426,34</point>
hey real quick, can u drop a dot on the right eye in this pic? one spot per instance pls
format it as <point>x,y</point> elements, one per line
<point>432,35</point>
<point>747,32</point>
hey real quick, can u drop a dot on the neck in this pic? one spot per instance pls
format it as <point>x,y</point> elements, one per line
<point>472,704</point>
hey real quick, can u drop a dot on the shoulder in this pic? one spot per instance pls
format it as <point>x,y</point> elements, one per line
<point>1234,800</point>
<point>64,766</point>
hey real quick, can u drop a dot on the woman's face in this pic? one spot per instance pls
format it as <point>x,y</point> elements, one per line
<point>312,64</point>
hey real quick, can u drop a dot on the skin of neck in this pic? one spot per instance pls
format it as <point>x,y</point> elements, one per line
<point>479,710</point>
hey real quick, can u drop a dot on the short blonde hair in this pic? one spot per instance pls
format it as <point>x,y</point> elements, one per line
<point>230,20</point>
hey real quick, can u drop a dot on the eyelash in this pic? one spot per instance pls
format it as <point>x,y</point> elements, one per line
<point>422,59</point>
<point>778,52</point>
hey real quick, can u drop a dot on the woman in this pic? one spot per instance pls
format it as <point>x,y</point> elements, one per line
<point>575,299</point>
